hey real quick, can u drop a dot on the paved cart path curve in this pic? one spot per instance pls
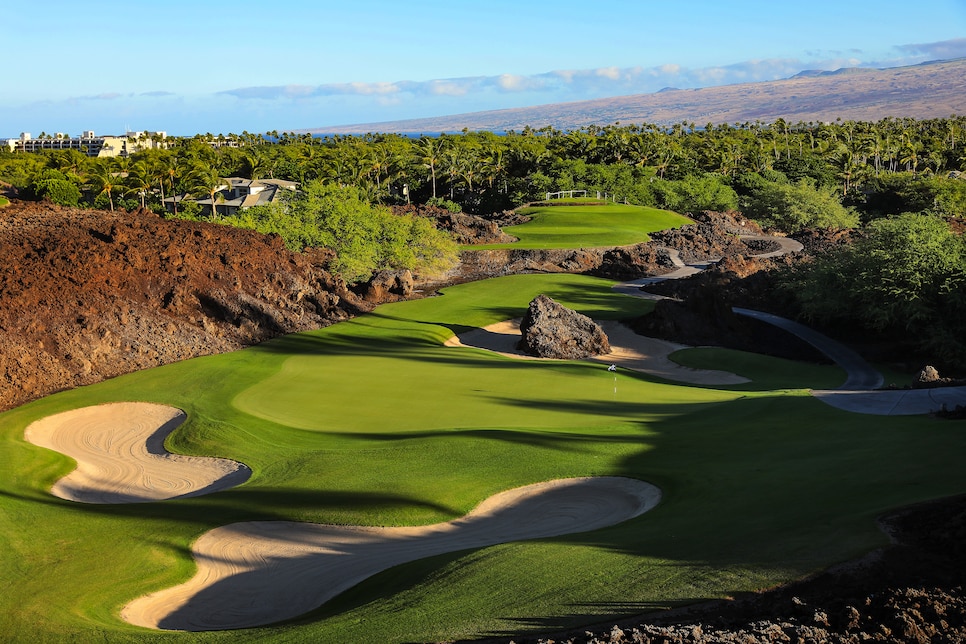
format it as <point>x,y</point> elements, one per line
<point>860,392</point>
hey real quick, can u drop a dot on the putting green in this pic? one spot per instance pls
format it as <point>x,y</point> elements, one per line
<point>375,422</point>
<point>588,226</point>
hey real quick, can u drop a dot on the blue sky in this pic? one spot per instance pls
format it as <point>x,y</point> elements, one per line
<point>216,66</point>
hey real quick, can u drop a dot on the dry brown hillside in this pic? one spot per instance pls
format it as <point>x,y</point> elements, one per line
<point>930,90</point>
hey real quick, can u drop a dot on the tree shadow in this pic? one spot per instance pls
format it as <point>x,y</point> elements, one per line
<point>246,503</point>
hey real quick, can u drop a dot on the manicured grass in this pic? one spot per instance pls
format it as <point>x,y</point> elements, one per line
<point>374,422</point>
<point>589,226</point>
<point>766,373</point>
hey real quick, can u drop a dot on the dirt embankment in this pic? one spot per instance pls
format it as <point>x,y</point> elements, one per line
<point>87,295</point>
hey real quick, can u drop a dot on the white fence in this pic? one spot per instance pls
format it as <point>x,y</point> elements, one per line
<point>569,194</point>
<point>566,194</point>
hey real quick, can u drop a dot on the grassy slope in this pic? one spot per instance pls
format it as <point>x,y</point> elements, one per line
<point>760,486</point>
<point>588,226</point>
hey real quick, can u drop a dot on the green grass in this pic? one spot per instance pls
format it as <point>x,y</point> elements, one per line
<point>4,202</point>
<point>588,226</point>
<point>766,373</point>
<point>373,422</point>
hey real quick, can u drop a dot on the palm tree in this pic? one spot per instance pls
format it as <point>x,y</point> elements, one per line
<point>205,180</point>
<point>103,177</point>
<point>163,170</point>
<point>430,150</point>
<point>254,159</point>
<point>139,180</point>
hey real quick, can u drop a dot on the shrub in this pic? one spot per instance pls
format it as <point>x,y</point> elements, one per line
<point>794,206</point>
<point>55,186</point>
<point>446,204</point>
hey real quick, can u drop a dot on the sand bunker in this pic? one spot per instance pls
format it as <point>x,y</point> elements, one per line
<point>628,349</point>
<point>899,402</point>
<point>256,573</point>
<point>119,449</point>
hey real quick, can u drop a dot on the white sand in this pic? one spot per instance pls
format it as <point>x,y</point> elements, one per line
<point>256,573</point>
<point>119,449</point>
<point>628,349</point>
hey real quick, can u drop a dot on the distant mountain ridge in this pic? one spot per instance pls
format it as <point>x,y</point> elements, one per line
<point>935,89</point>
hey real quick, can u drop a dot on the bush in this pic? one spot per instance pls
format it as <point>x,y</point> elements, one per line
<point>55,186</point>
<point>794,206</point>
<point>366,238</point>
<point>695,194</point>
<point>446,204</point>
<point>906,275</point>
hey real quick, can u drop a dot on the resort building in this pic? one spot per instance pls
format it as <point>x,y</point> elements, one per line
<point>239,194</point>
<point>90,144</point>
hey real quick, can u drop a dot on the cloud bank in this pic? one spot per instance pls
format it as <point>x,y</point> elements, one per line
<point>579,84</point>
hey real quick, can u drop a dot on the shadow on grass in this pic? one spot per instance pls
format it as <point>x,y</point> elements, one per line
<point>550,440</point>
<point>242,504</point>
<point>598,618</point>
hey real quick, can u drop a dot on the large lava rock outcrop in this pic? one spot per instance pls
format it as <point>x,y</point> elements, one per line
<point>88,294</point>
<point>550,330</point>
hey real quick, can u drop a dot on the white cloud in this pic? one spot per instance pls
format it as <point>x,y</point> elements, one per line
<point>455,87</point>
<point>613,73</point>
<point>516,83</point>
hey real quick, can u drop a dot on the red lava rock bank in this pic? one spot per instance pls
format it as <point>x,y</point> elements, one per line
<point>86,295</point>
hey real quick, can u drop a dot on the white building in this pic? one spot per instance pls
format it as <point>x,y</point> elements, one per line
<point>90,144</point>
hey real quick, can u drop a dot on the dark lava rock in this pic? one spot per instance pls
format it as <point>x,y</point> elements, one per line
<point>926,376</point>
<point>553,331</point>
<point>464,227</point>
<point>387,286</point>
<point>632,262</point>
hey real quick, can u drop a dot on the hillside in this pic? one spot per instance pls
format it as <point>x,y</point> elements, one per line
<point>930,90</point>
<point>87,294</point>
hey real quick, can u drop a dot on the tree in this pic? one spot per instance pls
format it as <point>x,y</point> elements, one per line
<point>905,276</point>
<point>204,180</point>
<point>140,180</point>
<point>55,186</point>
<point>366,238</point>
<point>695,193</point>
<point>106,181</point>
<point>430,150</point>
<point>791,207</point>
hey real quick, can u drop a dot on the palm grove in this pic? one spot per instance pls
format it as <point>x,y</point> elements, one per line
<point>898,182</point>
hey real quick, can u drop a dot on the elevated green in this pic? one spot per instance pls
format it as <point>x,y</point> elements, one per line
<point>591,226</point>
<point>375,422</point>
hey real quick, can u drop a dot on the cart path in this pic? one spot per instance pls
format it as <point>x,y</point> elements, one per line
<point>859,393</point>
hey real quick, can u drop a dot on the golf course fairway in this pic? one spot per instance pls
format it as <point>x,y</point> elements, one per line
<point>375,422</point>
<point>588,226</point>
